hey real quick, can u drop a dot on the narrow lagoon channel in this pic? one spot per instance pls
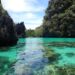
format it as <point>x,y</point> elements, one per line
<point>39,56</point>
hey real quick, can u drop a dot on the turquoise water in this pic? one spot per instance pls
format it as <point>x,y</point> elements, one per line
<point>12,52</point>
<point>30,55</point>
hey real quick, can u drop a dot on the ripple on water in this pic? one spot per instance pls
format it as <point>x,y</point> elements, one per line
<point>31,60</point>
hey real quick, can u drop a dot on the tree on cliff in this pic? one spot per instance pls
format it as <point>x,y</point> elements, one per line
<point>59,19</point>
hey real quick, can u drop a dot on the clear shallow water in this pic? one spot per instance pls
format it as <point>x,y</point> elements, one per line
<point>30,56</point>
<point>12,52</point>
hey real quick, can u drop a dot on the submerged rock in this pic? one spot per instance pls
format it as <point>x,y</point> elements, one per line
<point>70,54</point>
<point>66,70</point>
<point>4,64</point>
<point>51,55</point>
<point>62,44</point>
<point>53,58</point>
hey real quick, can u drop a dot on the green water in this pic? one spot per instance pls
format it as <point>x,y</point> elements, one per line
<point>30,55</point>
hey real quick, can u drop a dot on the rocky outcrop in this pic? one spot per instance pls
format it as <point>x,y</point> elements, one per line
<point>20,29</point>
<point>7,32</point>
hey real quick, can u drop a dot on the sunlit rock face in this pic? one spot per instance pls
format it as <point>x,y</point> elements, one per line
<point>7,32</point>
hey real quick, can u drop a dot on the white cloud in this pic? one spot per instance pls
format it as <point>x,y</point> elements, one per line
<point>32,26</point>
<point>29,11</point>
<point>13,5</point>
<point>30,16</point>
<point>26,17</point>
<point>31,20</point>
<point>22,5</point>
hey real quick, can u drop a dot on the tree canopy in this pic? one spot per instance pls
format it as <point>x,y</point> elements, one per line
<point>59,19</point>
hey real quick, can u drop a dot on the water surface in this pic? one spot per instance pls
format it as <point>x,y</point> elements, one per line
<point>30,55</point>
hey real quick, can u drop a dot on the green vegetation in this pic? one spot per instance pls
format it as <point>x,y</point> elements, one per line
<point>39,31</point>
<point>35,33</point>
<point>30,33</point>
<point>59,19</point>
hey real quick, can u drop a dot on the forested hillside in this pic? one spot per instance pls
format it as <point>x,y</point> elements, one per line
<point>59,19</point>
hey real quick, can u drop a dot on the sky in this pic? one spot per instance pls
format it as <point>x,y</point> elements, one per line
<point>30,12</point>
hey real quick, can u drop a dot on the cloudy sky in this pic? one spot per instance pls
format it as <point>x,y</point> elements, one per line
<point>29,11</point>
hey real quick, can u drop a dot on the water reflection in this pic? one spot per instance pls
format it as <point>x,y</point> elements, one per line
<point>8,55</point>
<point>44,56</point>
<point>30,59</point>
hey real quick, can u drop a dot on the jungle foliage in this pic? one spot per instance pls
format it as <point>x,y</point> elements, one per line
<point>59,19</point>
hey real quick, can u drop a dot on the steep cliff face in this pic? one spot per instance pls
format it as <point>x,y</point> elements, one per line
<point>20,29</point>
<point>59,19</point>
<point>7,33</point>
